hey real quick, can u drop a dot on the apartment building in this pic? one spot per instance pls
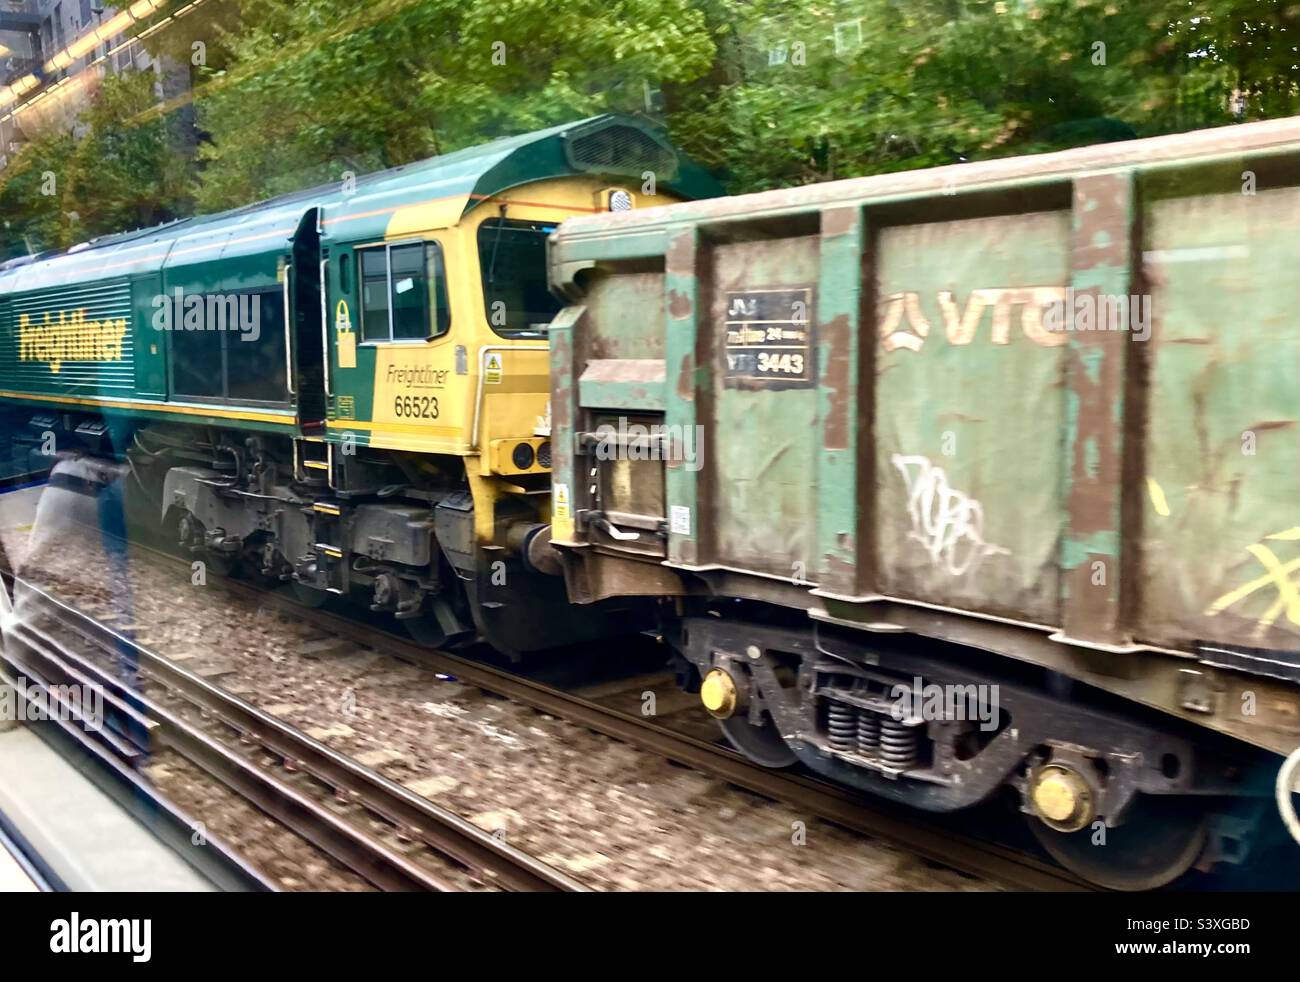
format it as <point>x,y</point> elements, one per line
<point>53,51</point>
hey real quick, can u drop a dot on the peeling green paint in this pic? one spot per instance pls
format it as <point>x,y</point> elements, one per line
<point>1076,552</point>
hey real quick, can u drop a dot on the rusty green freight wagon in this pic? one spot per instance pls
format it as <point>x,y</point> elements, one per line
<point>1021,436</point>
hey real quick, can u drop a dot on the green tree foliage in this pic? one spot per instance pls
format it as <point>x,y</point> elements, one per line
<point>113,171</point>
<point>32,217</point>
<point>127,176</point>
<point>811,91</point>
<point>321,87</point>
<point>768,93</point>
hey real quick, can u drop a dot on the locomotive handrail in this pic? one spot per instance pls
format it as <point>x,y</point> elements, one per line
<point>288,324</point>
<point>324,325</point>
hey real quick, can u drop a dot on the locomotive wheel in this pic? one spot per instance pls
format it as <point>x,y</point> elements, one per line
<point>761,744</point>
<point>308,596</point>
<point>425,630</point>
<point>222,564</point>
<point>1161,839</point>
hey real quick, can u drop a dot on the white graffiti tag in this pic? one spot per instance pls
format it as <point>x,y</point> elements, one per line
<point>948,523</point>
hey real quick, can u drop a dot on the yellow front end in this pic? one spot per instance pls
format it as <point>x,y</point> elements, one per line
<point>480,391</point>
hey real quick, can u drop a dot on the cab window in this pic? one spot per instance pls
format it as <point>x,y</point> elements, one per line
<point>512,256</point>
<point>403,292</point>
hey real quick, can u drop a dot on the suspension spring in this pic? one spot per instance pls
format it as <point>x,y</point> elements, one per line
<point>899,743</point>
<point>868,733</point>
<point>842,726</point>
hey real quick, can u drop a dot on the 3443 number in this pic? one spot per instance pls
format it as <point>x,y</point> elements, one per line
<point>780,364</point>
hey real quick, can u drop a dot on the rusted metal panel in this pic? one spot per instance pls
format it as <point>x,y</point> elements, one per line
<point>957,447</point>
<point>681,323</point>
<point>1093,567</point>
<point>1052,414</point>
<point>628,383</point>
<point>613,298</point>
<point>761,441</point>
<point>969,412</point>
<point>1226,143</point>
<point>842,513</point>
<point>1222,540</point>
<point>631,245</point>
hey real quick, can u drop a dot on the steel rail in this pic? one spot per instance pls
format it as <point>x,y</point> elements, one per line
<point>908,829</point>
<point>412,816</point>
<point>360,852</point>
<point>216,860</point>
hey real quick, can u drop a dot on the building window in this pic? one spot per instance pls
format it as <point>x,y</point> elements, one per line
<point>403,292</point>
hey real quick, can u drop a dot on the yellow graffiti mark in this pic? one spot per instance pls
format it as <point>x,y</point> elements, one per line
<point>1288,598</point>
<point>1277,575</point>
<point>1157,497</point>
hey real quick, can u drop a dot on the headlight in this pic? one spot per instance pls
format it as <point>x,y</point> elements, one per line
<point>522,456</point>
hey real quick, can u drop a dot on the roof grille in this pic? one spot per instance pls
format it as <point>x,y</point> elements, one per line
<point>620,149</point>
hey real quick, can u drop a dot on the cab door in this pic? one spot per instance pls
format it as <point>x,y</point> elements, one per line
<point>304,298</point>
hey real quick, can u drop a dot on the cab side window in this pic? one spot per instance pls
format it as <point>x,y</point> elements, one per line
<point>403,292</point>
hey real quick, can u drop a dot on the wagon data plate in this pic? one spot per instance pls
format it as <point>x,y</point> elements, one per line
<point>769,338</point>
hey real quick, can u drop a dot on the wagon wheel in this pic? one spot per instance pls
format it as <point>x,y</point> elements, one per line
<point>761,744</point>
<point>1162,837</point>
<point>308,596</point>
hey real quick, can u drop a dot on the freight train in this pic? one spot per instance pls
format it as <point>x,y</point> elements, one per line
<point>949,485</point>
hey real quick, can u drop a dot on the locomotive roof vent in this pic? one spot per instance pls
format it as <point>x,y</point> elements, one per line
<point>620,148</point>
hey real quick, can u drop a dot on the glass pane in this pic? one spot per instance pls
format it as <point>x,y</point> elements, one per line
<point>196,362</point>
<point>438,279</point>
<point>374,295</point>
<point>512,255</point>
<point>255,352</point>
<point>410,292</point>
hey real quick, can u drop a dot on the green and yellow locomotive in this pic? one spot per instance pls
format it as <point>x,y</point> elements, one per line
<point>345,388</point>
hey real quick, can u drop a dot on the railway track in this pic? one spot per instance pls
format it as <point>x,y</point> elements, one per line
<point>907,829</point>
<point>391,837</point>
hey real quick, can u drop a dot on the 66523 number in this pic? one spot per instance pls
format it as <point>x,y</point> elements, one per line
<point>416,407</point>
